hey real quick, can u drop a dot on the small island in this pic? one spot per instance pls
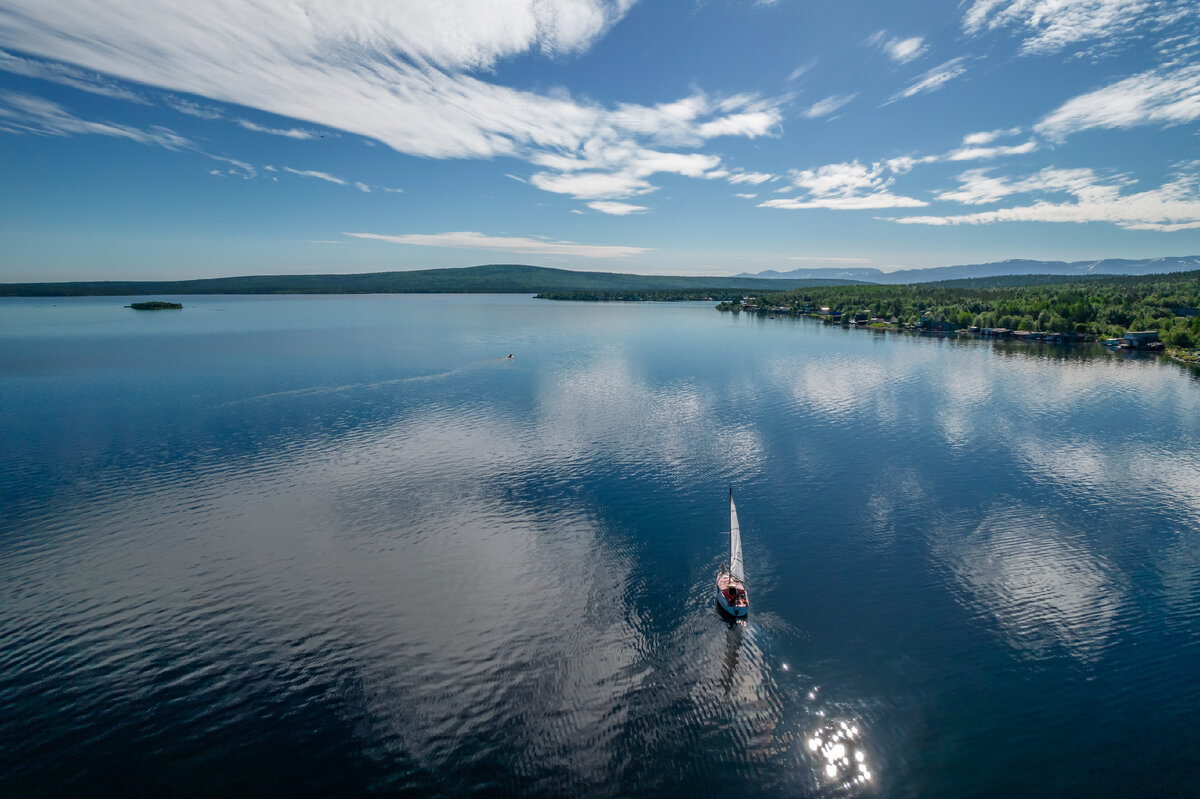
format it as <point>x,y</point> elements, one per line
<point>155,305</point>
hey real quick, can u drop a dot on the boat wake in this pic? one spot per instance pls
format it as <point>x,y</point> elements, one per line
<point>318,390</point>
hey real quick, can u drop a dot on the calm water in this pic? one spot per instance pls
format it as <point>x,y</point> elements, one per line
<point>331,545</point>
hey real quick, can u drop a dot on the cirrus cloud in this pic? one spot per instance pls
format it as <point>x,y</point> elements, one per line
<point>615,208</point>
<point>312,173</point>
<point>829,105</point>
<point>1169,96</point>
<point>932,80</point>
<point>469,240</point>
<point>899,50</point>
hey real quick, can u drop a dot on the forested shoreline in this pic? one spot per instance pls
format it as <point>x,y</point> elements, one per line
<point>1099,307</point>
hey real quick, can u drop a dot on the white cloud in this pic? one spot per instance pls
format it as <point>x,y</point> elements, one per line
<point>1168,96</point>
<point>899,50</point>
<point>986,153</point>
<point>881,199</point>
<point>390,190</point>
<point>856,186</point>
<point>827,106</point>
<point>615,208</point>
<point>404,74</point>
<point>801,70</point>
<point>751,124</point>
<point>363,187</point>
<point>608,171</point>
<point>193,109</point>
<point>749,196</point>
<point>753,178</point>
<point>1171,207</point>
<point>1051,25</point>
<point>28,114</point>
<point>240,168</point>
<point>988,136</point>
<point>312,173</point>
<point>592,185</point>
<point>67,75</point>
<point>291,133</point>
<point>905,163</point>
<point>932,80</point>
<point>845,186</point>
<point>525,246</point>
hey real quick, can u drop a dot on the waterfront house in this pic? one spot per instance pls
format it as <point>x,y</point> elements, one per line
<point>1141,340</point>
<point>929,325</point>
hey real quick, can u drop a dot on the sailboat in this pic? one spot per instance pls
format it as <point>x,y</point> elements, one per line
<point>731,579</point>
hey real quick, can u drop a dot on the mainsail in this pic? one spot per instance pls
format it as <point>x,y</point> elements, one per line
<point>735,543</point>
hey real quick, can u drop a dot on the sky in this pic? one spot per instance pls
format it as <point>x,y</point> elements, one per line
<point>155,139</point>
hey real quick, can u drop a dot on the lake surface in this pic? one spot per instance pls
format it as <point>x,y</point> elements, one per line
<point>338,545</point>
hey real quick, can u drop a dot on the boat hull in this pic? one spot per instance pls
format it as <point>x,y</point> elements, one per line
<point>737,611</point>
<point>738,608</point>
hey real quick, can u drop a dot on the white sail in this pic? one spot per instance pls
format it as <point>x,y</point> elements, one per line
<point>735,543</point>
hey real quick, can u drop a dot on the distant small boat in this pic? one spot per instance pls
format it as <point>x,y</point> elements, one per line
<point>731,579</point>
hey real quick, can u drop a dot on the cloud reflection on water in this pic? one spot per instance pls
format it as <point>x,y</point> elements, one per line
<point>1044,589</point>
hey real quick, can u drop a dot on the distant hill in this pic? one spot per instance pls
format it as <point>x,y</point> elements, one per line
<point>487,279</point>
<point>1009,281</point>
<point>1108,266</point>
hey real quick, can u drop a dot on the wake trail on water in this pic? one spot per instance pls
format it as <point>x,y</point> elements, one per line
<point>317,390</point>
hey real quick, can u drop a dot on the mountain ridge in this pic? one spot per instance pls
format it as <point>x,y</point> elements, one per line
<point>1012,266</point>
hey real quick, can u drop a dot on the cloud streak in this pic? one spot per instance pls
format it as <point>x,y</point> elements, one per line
<point>1169,96</point>
<point>932,80</point>
<point>829,105</point>
<point>616,208</point>
<point>67,75</point>
<point>28,114</point>
<point>302,134</point>
<point>312,173</point>
<point>468,240</point>
<point>899,50</point>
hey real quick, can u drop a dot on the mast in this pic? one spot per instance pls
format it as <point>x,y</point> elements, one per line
<point>735,542</point>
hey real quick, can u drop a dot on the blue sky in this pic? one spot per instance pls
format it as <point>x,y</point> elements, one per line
<point>153,139</point>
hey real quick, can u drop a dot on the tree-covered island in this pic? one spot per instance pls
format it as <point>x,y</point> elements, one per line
<point>156,305</point>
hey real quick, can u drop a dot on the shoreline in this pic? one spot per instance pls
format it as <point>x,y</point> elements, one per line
<point>1178,354</point>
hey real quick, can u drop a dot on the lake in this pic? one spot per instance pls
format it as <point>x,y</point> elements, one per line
<point>343,545</point>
